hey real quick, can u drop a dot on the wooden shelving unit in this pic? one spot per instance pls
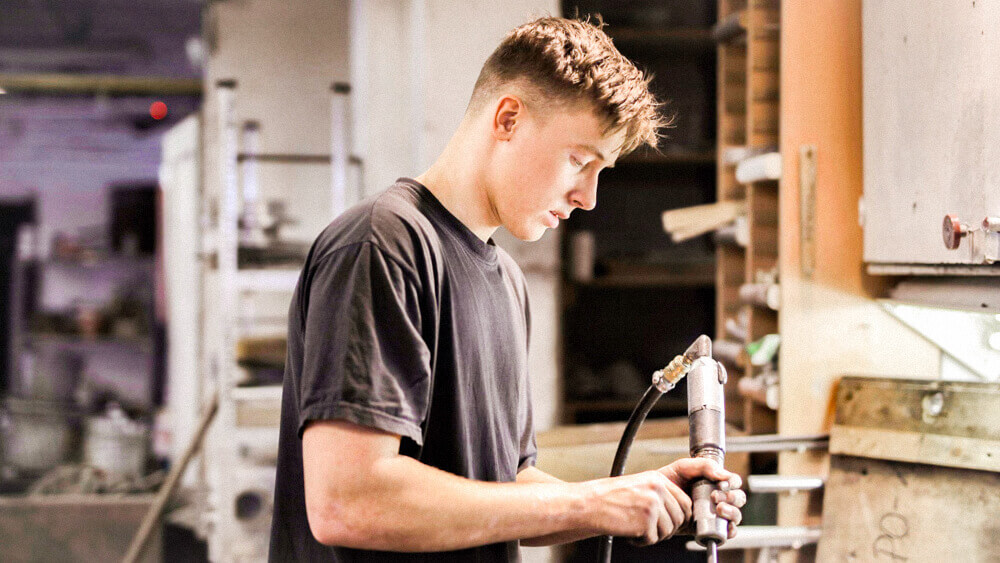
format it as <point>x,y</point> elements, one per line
<point>748,79</point>
<point>667,158</point>
<point>648,298</point>
<point>652,38</point>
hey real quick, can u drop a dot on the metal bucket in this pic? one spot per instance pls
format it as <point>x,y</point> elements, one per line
<point>116,444</point>
<point>37,435</point>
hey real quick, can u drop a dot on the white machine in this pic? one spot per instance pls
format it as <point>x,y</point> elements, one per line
<point>216,301</point>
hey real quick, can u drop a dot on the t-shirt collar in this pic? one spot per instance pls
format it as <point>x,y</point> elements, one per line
<point>487,251</point>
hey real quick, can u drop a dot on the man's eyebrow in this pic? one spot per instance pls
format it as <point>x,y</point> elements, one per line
<point>593,150</point>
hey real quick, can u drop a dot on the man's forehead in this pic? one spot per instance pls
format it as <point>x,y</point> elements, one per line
<point>583,129</point>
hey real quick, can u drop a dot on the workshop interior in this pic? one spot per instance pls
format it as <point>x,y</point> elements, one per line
<point>802,282</point>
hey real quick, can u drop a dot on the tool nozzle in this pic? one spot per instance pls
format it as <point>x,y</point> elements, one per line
<point>666,378</point>
<point>700,348</point>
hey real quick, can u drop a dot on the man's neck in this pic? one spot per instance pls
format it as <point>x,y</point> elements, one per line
<point>457,183</point>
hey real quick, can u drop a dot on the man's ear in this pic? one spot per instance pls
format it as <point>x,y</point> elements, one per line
<point>509,111</point>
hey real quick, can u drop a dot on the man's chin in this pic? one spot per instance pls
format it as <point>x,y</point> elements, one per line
<point>528,234</point>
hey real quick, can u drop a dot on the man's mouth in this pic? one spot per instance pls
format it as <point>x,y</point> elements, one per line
<point>553,220</point>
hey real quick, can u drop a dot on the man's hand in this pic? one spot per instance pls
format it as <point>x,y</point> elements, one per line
<point>648,506</point>
<point>729,496</point>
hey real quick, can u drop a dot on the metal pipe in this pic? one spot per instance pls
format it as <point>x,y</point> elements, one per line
<point>707,439</point>
<point>783,483</point>
<point>758,537</point>
<point>758,443</point>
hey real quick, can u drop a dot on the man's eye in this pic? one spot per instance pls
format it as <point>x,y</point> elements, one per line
<point>575,162</point>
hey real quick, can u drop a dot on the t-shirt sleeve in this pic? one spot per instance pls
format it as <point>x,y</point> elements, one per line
<point>364,358</point>
<point>528,450</point>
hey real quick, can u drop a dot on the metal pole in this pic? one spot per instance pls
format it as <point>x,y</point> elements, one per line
<point>783,483</point>
<point>758,537</point>
<point>339,196</point>
<point>758,443</point>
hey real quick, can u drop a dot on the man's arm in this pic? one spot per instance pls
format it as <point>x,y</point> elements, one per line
<point>535,475</point>
<point>361,493</point>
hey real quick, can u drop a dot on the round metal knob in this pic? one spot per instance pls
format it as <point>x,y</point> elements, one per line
<point>953,231</point>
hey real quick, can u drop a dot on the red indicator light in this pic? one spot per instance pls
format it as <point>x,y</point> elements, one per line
<point>158,110</point>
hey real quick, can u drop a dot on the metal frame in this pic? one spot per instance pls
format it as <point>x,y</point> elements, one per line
<point>239,465</point>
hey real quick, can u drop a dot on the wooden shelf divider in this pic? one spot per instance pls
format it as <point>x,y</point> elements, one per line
<point>747,105</point>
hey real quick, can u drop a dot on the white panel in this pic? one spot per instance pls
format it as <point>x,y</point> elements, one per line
<point>931,125</point>
<point>180,182</point>
<point>284,57</point>
<point>382,82</point>
<point>454,56</point>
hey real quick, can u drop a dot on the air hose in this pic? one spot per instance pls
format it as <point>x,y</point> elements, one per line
<point>663,381</point>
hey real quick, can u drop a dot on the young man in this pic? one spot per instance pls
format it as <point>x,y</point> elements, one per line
<point>406,430</point>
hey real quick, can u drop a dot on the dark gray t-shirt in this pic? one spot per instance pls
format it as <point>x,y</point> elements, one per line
<point>405,321</point>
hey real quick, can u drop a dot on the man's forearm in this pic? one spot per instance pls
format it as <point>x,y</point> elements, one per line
<point>404,505</point>
<point>533,475</point>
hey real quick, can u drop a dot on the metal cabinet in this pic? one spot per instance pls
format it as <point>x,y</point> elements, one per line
<point>931,136</point>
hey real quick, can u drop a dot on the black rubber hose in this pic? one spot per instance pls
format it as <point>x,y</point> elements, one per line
<point>618,467</point>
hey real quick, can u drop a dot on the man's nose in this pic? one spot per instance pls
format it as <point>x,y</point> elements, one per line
<point>585,194</point>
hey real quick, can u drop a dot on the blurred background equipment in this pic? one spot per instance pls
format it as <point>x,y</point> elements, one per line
<point>147,265</point>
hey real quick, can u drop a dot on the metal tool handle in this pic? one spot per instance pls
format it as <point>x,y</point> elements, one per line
<point>709,526</point>
<point>706,419</point>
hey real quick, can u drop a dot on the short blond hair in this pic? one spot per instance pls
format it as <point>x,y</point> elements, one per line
<point>571,61</point>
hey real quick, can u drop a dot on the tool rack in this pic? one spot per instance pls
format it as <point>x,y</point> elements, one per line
<point>748,86</point>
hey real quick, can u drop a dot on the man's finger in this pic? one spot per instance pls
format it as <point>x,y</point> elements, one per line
<point>683,500</point>
<point>691,468</point>
<point>737,498</point>
<point>663,525</point>
<point>675,511</point>
<point>729,512</point>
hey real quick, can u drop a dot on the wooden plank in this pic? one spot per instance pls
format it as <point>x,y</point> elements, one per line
<point>730,261</point>
<point>829,324</point>
<point>763,90</point>
<point>758,418</point>
<point>582,434</point>
<point>73,528</point>
<point>953,424</point>
<point>878,510</point>
<point>583,452</point>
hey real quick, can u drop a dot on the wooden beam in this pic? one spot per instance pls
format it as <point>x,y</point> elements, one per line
<point>76,84</point>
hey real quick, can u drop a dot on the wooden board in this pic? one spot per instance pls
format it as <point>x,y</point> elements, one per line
<point>730,260</point>
<point>73,528</point>
<point>878,510</point>
<point>948,423</point>
<point>583,452</point>
<point>830,325</point>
